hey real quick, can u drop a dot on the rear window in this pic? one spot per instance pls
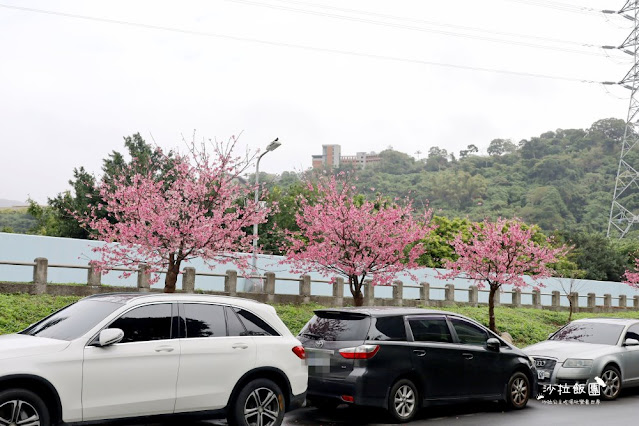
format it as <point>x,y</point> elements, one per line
<point>337,327</point>
<point>590,332</point>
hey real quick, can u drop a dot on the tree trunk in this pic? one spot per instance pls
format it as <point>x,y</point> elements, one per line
<point>491,308</point>
<point>571,308</point>
<point>171,275</point>
<point>356,290</point>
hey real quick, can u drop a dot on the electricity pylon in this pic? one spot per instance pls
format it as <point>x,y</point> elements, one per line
<point>621,217</point>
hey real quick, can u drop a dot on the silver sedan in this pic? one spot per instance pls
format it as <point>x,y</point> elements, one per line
<point>591,357</point>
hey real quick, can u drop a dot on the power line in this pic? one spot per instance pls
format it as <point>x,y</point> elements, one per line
<point>565,7</point>
<point>422,29</point>
<point>435,23</point>
<point>297,46</point>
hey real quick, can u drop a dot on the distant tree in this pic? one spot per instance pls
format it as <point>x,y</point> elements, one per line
<point>195,209</point>
<point>501,253</point>
<point>499,147</point>
<point>344,234</point>
<point>437,158</point>
<point>438,243</point>
<point>472,149</point>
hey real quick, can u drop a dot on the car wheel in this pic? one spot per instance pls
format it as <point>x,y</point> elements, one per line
<point>23,407</point>
<point>403,401</point>
<point>259,403</point>
<point>518,391</point>
<point>612,379</point>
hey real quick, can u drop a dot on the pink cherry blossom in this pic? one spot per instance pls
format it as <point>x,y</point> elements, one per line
<point>343,234</point>
<point>197,208</point>
<point>499,253</point>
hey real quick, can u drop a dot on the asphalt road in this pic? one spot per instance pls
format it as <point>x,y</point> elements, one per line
<point>536,413</point>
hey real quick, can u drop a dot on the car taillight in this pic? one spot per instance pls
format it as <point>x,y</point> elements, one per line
<point>300,352</point>
<point>359,352</point>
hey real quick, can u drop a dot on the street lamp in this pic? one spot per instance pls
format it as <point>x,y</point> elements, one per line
<point>271,147</point>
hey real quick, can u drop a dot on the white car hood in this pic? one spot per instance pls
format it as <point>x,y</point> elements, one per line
<point>20,345</point>
<point>563,350</point>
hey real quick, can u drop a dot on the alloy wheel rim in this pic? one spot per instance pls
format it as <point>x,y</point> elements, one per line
<point>404,401</point>
<point>519,391</point>
<point>18,413</point>
<point>611,378</point>
<point>261,408</point>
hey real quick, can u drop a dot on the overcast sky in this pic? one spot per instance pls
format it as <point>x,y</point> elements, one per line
<point>72,88</point>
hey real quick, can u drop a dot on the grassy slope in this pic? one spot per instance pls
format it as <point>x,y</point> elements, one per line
<point>527,326</point>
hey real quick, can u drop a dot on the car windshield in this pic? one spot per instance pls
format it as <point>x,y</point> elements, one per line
<point>337,326</point>
<point>590,332</point>
<point>73,321</point>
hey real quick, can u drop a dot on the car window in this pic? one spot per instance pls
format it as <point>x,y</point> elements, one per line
<point>336,326</point>
<point>387,328</point>
<point>430,330</point>
<point>73,321</point>
<point>254,325</point>
<point>590,332</point>
<point>204,320</point>
<point>469,334</point>
<point>633,332</point>
<point>146,323</point>
<point>234,326</point>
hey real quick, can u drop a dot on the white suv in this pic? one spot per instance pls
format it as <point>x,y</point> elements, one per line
<point>134,355</point>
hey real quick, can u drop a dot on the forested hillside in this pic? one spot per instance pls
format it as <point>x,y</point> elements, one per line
<point>560,180</point>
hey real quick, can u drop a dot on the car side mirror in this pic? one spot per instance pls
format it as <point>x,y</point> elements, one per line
<point>493,344</point>
<point>110,336</point>
<point>631,342</point>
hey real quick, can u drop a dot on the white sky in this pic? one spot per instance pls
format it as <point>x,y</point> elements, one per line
<point>71,89</point>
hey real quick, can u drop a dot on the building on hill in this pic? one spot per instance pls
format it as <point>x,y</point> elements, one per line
<point>332,157</point>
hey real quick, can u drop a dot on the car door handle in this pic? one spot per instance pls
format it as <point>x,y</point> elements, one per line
<point>467,356</point>
<point>240,346</point>
<point>164,349</point>
<point>419,352</point>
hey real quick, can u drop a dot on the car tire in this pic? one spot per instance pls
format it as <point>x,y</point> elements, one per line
<point>612,377</point>
<point>259,398</point>
<point>518,391</point>
<point>30,406</point>
<point>403,401</point>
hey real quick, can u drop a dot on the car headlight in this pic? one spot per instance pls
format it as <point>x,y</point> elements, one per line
<point>531,360</point>
<point>577,363</point>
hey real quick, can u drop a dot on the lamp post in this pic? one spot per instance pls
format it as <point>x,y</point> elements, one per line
<point>271,147</point>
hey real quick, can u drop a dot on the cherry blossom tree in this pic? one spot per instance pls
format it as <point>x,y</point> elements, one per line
<point>502,253</point>
<point>342,233</point>
<point>194,208</point>
<point>632,277</point>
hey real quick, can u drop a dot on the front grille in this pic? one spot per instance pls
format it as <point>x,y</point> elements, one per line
<point>545,366</point>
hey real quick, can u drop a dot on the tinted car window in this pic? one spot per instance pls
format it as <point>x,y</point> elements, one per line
<point>468,333</point>
<point>633,332</point>
<point>73,321</point>
<point>430,330</point>
<point>204,320</point>
<point>590,332</point>
<point>387,328</point>
<point>254,325</point>
<point>337,326</point>
<point>152,322</point>
<point>234,326</point>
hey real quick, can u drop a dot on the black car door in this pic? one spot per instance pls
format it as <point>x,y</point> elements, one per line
<point>436,358</point>
<point>483,369</point>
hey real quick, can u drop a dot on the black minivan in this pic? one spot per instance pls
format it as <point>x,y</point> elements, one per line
<point>402,359</point>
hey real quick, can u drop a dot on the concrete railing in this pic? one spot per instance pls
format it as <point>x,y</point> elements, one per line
<point>40,285</point>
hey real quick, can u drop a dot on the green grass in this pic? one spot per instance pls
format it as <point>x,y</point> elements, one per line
<point>526,326</point>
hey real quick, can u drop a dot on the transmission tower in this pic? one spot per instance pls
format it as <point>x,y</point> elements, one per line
<point>627,182</point>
